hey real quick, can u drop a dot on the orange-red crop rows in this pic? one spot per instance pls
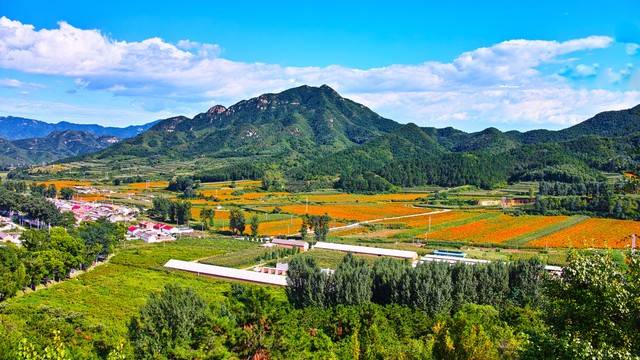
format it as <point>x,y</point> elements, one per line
<point>592,233</point>
<point>436,219</point>
<point>495,230</point>
<point>355,212</point>
<point>149,185</point>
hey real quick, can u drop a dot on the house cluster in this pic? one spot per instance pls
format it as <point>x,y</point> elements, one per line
<point>91,211</point>
<point>152,232</point>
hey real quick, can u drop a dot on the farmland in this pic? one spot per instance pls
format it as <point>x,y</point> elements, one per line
<point>404,217</point>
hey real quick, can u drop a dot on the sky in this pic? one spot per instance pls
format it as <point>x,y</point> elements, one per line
<point>507,64</point>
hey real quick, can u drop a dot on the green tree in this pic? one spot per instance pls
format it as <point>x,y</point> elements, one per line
<point>352,281</point>
<point>51,191</point>
<point>306,284</point>
<point>170,325</point>
<point>237,221</point>
<point>273,180</point>
<point>67,193</point>
<point>254,223</point>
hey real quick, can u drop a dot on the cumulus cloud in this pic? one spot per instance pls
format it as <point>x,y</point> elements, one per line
<point>615,76</point>
<point>499,83</point>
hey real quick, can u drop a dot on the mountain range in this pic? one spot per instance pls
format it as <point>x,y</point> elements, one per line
<point>313,132</point>
<point>16,128</point>
<point>54,146</point>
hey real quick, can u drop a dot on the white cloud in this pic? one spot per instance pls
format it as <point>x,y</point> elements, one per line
<point>581,71</point>
<point>499,83</point>
<point>616,76</point>
<point>632,48</point>
<point>17,84</point>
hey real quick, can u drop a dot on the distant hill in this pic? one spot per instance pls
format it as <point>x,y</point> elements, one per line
<point>56,145</point>
<point>16,128</point>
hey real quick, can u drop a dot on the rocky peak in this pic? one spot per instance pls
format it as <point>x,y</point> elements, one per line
<point>218,109</point>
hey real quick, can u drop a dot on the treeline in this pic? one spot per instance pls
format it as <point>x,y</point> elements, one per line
<point>447,170</point>
<point>128,180</point>
<point>433,287</point>
<point>613,206</point>
<point>239,171</point>
<point>184,184</point>
<point>589,188</point>
<point>177,212</point>
<point>34,207</point>
<point>50,255</point>
<point>367,182</point>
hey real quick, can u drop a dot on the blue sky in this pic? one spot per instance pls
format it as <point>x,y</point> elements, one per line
<point>512,65</point>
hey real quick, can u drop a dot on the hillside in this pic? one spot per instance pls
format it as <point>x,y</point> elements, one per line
<point>16,128</point>
<point>57,145</point>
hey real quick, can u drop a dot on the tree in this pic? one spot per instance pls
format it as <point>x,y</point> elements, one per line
<point>320,226</point>
<point>386,283</point>
<point>13,275</point>
<point>255,223</point>
<point>432,288</point>
<point>306,283</point>
<point>67,193</point>
<point>51,191</point>
<point>170,325</point>
<point>183,212</point>
<point>304,227</point>
<point>352,281</point>
<point>100,237</point>
<point>237,221</point>
<point>273,180</point>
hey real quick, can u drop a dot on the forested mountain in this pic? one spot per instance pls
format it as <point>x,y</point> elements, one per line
<point>16,128</point>
<point>314,133</point>
<point>297,123</point>
<point>57,145</point>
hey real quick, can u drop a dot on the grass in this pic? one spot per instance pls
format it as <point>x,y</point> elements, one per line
<point>238,259</point>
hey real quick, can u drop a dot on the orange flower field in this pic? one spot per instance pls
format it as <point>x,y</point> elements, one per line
<point>59,184</point>
<point>354,212</point>
<point>149,185</point>
<point>597,233</point>
<point>497,229</point>
<point>436,219</point>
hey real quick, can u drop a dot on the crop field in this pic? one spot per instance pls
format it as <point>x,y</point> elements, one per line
<point>592,233</point>
<point>59,184</point>
<point>354,212</point>
<point>498,229</point>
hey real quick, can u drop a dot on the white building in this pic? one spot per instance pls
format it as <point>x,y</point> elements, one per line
<point>227,273</point>
<point>366,250</point>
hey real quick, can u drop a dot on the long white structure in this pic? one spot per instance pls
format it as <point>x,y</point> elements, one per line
<point>226,272</point>
<point>403,254</point>
<point>452,259</point>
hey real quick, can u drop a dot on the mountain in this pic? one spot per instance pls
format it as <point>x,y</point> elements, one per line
<point>56,145</point>
<point>313,133</point>
<point>16,128</point>
<point>295,124</point>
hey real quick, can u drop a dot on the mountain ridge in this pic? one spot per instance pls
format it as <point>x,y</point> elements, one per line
<point>17,128</point>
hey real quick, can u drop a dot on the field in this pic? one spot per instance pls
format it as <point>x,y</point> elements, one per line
<point>592,233</point>
<point>389,218</point>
